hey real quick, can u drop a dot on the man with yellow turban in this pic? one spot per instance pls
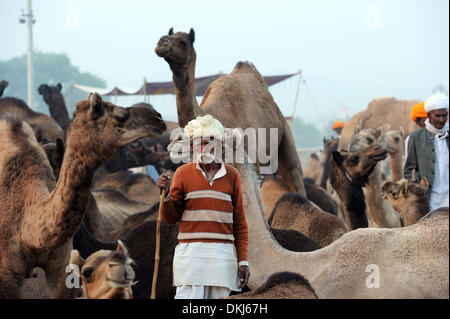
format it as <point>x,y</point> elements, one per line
<point>338,126</point>
<point>418,115</point>
<point>206,199</point>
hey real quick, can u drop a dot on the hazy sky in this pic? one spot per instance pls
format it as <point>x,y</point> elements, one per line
<point>350,51</point>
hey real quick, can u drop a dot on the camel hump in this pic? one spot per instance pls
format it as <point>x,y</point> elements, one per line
<point>439,212</point>
<point>245,66</point>
<point>282,278</point>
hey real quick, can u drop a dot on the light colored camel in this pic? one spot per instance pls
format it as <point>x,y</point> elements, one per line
<point>45,128</point>
<point>238,100</point>
<point>283,285</point>
<point>393,141</point>
<point>380,211</point>
<point>380,111</point>
<point>408,199</point>
<point>40,219</point>
<point>105,274</point>
<point>343,268</point>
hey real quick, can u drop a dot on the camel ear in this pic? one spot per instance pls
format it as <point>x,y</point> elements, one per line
<point>95,102</point>
<point>192,35</point>
<point>121,247</point>
<point>170,31</point>
<point>60,149</point>
<point>337,157</point>
<point>76,259</point>
<point>405,189</point>
<point>59,87</point>
<point>357,129</point>
<point>424,183</point>
<point>379,132</point>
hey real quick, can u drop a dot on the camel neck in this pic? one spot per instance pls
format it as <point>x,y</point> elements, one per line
<point>396,162</point>
<point>58,110</point>
<point>184,82</point>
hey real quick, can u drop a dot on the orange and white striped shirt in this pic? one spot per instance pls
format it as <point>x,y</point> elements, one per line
<point>208,212</point>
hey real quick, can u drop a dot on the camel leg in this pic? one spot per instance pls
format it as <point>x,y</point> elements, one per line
<point>289,167</point>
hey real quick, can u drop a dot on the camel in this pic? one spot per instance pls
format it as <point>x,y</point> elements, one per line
<point>293,211</point>
<point>45,128</point>
<point>329,145</point>
<point>381,213</point>
<point>3,85</point>
<point>238,100</point>
<point>349,173</point>
<point>408,199</point>
<point>282,285</point>
<point>380,111</point>
<point>314,169</point>
<point>105,274</point>
<point>55,155</point>
<point>55,101</point>
<point>347,267</point>
<point>40,218</point>
<point>393,141</point>
<point>273,187</point>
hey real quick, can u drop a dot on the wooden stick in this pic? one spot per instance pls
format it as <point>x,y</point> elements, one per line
<point>158,231</point>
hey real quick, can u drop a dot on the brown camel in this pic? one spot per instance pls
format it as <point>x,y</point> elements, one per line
<point>3,85</point>
<point>393,141</point>
<point>348,267</point>
<point>349,173</point>
<point>238,100</point>
<point>40,219</point>
<point>55,155</point>
<point>55,101</point>
<point>380,111</point>
<point>314,169</point>
<point>105,274</point>
<point>282,285</point>
<point>381,213</point>
<point>45,128</point>
<point>293,211</point>
<point>329,145</point>
<point>408,199</point>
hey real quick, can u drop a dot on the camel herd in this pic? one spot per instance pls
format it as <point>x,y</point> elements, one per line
<point>74,223</point>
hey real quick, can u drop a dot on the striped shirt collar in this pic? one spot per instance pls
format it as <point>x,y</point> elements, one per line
<point>220,173</point>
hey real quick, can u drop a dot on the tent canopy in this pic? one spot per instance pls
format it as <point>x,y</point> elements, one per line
<point>153,88</point>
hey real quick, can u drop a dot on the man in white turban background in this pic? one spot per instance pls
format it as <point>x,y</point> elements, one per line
<point>206,199</point>
<point>428,151</point>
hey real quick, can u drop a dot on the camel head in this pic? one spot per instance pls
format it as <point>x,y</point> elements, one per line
<point>99,129</point>
<point>404,192</point>
<point>177,49</point>
<point>354,168</point>
<point>329,145</point>
<point>363,138</point>
<point>392,140</point>
<point>51,92</point>
<point>3,85</point>
<point>105,274</point>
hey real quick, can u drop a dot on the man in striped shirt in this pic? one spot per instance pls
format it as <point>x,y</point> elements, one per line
<point>206,199</point>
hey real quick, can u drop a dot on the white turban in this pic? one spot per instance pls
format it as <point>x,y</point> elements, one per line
<point>436,102</point>
<point>204,126</point>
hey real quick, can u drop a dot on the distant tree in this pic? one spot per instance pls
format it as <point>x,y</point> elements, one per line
<point>305,135</point>
<point>49,68</point>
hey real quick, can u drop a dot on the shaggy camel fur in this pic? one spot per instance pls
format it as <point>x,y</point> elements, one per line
<point>105,274</point>
<point>238,100</point>
<point>314,169</point>
<point>380,111</point>
<point>408,199</point>
<point>393,141</point>
<point>3,85</point>
<point>39,220</point>
<point>55,101</point>
<point>381,213</point>
<point>282,285</point>
<point>45,128</point>
<point>413,261</point>
<point>349,173</point>
<point>293,211</point>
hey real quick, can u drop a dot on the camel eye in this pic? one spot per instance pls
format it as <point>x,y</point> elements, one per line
<point>354,160</point>
<point>369,140</point>
<point>396,139</point>
<point>87,273</point>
